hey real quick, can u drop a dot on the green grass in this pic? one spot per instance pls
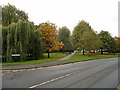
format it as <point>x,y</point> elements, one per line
<point>77,57</point>
<point>53,57</point>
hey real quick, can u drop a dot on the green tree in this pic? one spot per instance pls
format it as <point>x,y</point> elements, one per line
<point>64,36</point>
<point>113,46</point>
<point>107,41</point>
<point>4,42</point>
<point>91,41</point>
<point>35,46</point>
<point>77,34</point>
<point>22,38</point>
<point>117,39</point>
<point>19,35</point>
<point>1,39</point>
<point>11,14</point>
<point>0,16</point>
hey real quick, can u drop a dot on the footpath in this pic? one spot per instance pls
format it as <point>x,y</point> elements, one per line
<point>57,62</point>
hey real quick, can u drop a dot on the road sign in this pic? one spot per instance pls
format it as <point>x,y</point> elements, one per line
<point>15,55</point>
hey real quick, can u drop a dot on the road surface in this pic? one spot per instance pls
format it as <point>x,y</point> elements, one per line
<point>102,73</point>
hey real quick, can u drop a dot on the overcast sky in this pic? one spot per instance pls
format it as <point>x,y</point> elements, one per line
<point>101,14</point>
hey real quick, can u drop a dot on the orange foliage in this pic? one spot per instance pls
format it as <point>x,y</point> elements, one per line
<point>49,34</point>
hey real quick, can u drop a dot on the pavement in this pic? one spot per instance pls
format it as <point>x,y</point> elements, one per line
<point>57,62</point>
<point>102,73</point>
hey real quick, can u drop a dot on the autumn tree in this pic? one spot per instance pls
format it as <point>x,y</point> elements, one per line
<point>64,36</point>
<point>49,34</point>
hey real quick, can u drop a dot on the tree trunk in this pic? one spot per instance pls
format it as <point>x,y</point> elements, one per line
<point>89,53</point>
<point>48,54</point>
<point>83,52</point>
<point>101,51</point>
<point>63,51</point>
<point>114,52</point>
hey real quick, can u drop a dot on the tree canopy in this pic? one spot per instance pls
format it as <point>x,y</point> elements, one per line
<point>64,36</point>
<point>19,36</point>
<point>80,28</point>
<point>11,14</point>
<point>108,43</point>
<point>49,37</point>
<point>91,41</point>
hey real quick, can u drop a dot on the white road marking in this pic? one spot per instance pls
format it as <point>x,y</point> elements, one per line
<point>67,75</point>
<point>54,66</point>
<point>53,80</point>
<point>34,86</point>
<point>50,81</point>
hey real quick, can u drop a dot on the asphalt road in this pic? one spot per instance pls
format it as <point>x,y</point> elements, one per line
<point>102,73</point>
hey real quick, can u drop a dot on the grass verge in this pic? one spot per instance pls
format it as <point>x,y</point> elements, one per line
<point>77,57</point>
<point>53,57</point>
<point>118,88</point>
